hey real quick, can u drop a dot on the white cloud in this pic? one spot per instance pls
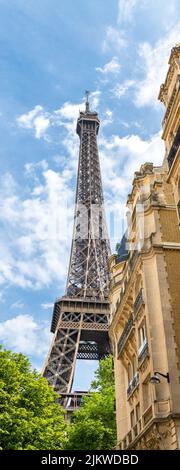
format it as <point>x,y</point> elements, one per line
<point>126,9</point>
<point>36,250</point>
<point>35,237</point>
<point>108,118</point>
<point>154,63</point>
<point>23,334</point>
<point>120,89</point>
<point>36,119</point>
<point>68,111</point>
<point>94,99</point>
<point>35,242</point>
<point>114,39</point>
<point>41,122</point>
<point>47,306</point>
<point>111,67</point>
<point>121,157</point>
<point>17,305</point>
<point>32,167</point>
<point>26,120</point>
<point>109,113</point>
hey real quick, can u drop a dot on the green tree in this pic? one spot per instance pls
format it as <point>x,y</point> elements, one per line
<point>30,415</point>
<point>93,425</point>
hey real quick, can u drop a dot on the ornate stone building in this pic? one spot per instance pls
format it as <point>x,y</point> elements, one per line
<point>145,295</point>
<point>170,96</point>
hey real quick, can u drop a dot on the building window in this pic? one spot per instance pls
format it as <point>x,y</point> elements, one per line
<point>142,337</point>
<point>137,412</point>
<point>133,376</point>
<point>132,418</point>
<point>135,380</point>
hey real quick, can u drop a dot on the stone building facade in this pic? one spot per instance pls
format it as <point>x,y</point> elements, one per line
<point>145,295</point>
<point>170,96</point>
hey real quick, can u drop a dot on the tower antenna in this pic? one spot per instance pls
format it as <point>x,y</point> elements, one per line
<point>87,93</point>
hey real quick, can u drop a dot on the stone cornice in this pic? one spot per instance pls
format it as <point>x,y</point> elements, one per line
<point>175,54</point>
<point>173,98</point>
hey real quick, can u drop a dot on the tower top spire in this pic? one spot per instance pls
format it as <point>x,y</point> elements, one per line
<point>87,93</point>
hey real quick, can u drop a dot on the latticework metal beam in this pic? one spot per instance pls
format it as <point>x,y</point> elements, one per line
<point>80,318</point>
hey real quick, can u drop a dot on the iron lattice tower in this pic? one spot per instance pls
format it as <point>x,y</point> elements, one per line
<point>81,317</point>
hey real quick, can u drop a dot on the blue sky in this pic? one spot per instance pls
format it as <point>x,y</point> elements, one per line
<point>51,51</point>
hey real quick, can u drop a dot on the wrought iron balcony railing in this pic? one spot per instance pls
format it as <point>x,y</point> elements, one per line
<point>137,305</point>
<point>129,389</point>
<point>138,302</point>
<point>133,384</point>
<point>174,148</point>
<point>135,380</point>
<point>125,334</point>
<point>143,352</point>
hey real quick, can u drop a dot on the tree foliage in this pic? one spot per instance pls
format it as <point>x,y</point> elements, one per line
<point>93,425</point>
<point>30,415</point>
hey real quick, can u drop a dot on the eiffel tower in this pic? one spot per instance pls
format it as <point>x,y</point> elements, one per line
<point>81,317</point>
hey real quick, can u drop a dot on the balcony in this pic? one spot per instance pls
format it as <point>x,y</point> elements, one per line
<point>133,385</point>
<point>147,415</point>
<point>131,435</point>
<point>125,335</point>
<point>138,303</point>
<point>174,148</point>
<point>143,352</point>
<point>154,410</point>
